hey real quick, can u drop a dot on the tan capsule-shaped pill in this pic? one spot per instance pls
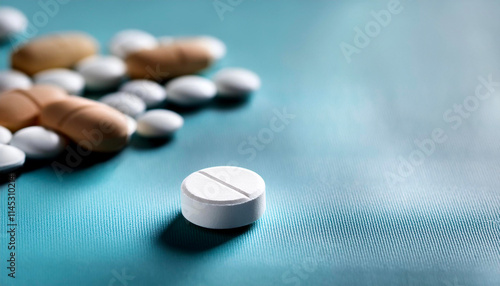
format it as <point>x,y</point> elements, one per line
<point>21,108</point>
<point>54,51</point>
<point>92,125</point>
<point>179,58</point>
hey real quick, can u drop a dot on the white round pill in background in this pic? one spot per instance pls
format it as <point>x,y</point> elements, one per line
<point>5,135</point>
<point>11,158</point>
<point>223,197</point>
<point>125,102</point>
<point>38,142</point>
<point>12,79</point>
<point>71,81</point>
<point>236,82</point>
<point>12,21</point>
<point>131,126</point>
<point>101,72</point>
<point>159,123</point>
<point>149,91</point>
<point>129,41</point>
<point>190,90</point>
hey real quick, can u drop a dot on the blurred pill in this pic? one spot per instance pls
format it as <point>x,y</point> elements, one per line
<point>12,21</point>
<point>125,102</point>
<point>11,158</point>
<point>236,82</point>
<point>131,125</point>
<point>12,79</point>
<point>38,142</point>
<point>150,92</point>
<point>5,135</point>
<point>159,123</point>
<point>101,72</point>
<point>190,90</point>
<point>216,48</point>
<point>71,81</point>
<point>130,41</point>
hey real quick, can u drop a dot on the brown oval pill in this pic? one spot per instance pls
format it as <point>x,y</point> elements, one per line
<point>53,51</point>
<point>164,62</point>
<point>21,108</point>
<point>92,125</point>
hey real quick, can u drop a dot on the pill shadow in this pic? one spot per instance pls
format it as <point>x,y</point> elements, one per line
<point>221,103</point>
<point>183,236</point>
<point>7,177</point>
<point>185,110</point>
<point>140,142</point>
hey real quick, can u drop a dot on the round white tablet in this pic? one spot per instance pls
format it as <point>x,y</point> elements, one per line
<point>131,126</point>
<point>190,90</point>
<point>11,79</point>
<point>223,197</point>
<point>150,92</point>
<point>129,41</point>
<point>101,72</point>
<point>5,135</point>
<point>236,82</point>
<point>71,81</point>
<point>38,142</point>
<point>11,158</point>
<point>159,123</point>
<point>125,102</point>
<point>12,21</point>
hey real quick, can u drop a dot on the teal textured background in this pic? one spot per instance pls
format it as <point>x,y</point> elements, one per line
<point>333,218</point>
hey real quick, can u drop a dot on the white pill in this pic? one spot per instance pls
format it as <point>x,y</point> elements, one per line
<point>150,92</point>
<point>11,158</point>
<point>12,79</point>
<point>236,82</point>
<point>71,81</point>
<point>223,197</point>
<point>12,21</point>
<point>129,41</point>
<point>131,125</point>
<point>159,123</point>
<point>190,90</point>
<point>101,72</point>
<point>38,142</point>
<point>5,135</point>
<point>124,102</point>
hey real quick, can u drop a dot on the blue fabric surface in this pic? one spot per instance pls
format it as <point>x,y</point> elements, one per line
<point>344,205</point>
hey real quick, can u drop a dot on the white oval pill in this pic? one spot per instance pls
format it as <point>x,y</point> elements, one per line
<point>130,41</point>
<point>5,135</point>
<point>159,123</point>
<point>236,82</point>
<point>12,21</point>
<point>223,197</point>
<point>38,142</point>
<point>125,102</point>
<point>12,79</point>
<point>11,158</point>
<point>190,90</point>
<point>150,92</point>
<point>71,81</point>
<point>101,72</point>
<point>131,126</point>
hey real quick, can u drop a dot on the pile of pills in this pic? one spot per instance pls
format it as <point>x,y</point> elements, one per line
<point>42,108</point>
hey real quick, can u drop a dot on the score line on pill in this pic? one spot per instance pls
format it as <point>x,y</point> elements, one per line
<point>223,197</point>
